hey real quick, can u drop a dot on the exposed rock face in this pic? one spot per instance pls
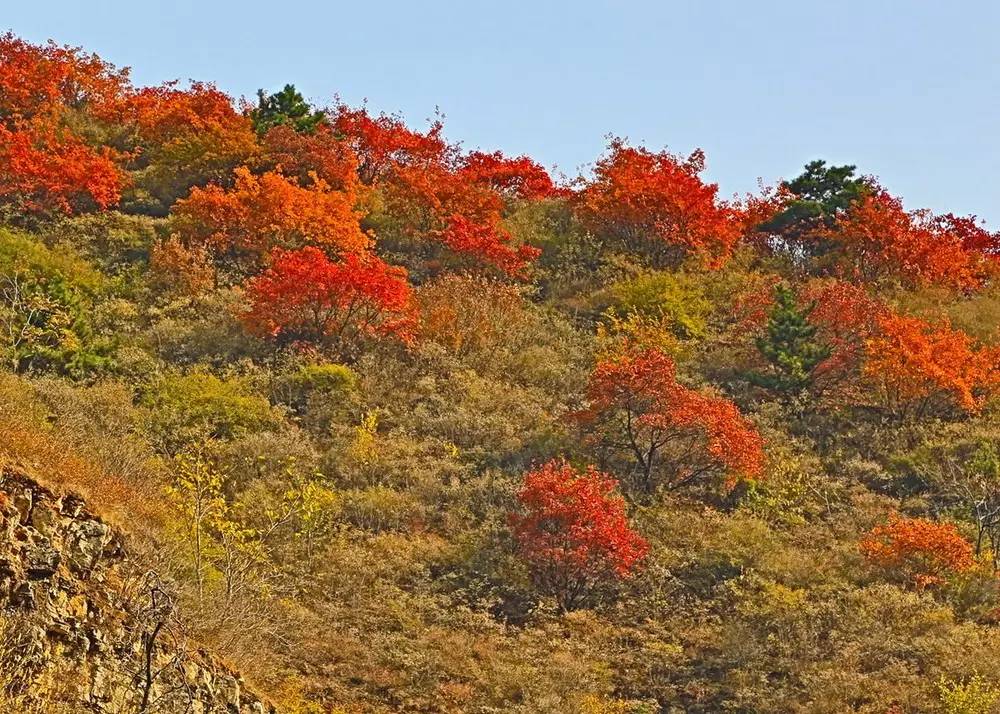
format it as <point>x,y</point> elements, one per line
<point>85,629</point>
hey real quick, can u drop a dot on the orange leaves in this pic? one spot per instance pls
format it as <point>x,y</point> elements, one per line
<point>304,297</point>
<point>883,239</point>
<point>166,113</point>
<point>656,202</point>
<point>185,137</point>
<point>264,212</point>
<point>573,531</point>
<point>44,166</point>
<point>922,552</point>
<point>672,434</point>
<point>917,365</point>
<point>46,81</point>
<point>45,170</point>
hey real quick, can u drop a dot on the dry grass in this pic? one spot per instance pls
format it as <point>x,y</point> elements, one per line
<point>71,453</point>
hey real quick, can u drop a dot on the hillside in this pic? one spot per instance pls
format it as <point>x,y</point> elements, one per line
<point>366,421</point>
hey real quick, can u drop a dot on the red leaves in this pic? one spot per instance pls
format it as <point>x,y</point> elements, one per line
<point>883,239</point>
<point>384,142</point>
<point>487,244</point>
<point>264,212</point>
<point>517,178</point>
<point>304,155</point>
<point>573,531</point>
<point>674,435</point>
<point>440,205</point>
<point>656,202</point>
<point>437,195</point>
<point>304,297</point>
<point>920,551</point>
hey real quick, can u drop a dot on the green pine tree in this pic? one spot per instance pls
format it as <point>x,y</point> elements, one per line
<point>790,347</point>
<point>820,195</point>
<point>285,107</point>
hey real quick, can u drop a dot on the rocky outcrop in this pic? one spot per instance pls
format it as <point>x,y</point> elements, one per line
<point>84,628</point>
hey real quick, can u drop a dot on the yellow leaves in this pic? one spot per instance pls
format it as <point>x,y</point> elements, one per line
<point>362,448</point>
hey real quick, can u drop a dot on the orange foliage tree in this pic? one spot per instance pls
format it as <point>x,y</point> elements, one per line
<point>573,532</point>
<point>184,138</point>
<point>919,367</point>
<point>264,212</point>
<point>306,298</point>
<point>309,155</point>
<point>919,551</point>
<point>49,81</point>
<point>672,435</point>
<point>656,203</point>
<point>47,94</point>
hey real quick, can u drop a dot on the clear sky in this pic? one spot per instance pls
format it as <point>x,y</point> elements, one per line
<point>908,90</point>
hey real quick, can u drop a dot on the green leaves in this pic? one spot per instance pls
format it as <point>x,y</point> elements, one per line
<point>287,107</point>
<point>790,347</point>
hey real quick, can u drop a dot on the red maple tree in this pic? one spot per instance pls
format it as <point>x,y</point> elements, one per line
<point>42,169</point>
<point>306,298</point>
<point>673,435</point>
<point>657,203</point>
<point>882,240</point>
<point>384,142</point>
<point>573,532</point>
<point>45,164</point>
<point>518,177</point>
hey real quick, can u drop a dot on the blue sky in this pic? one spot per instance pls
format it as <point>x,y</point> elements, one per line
<point>909,91</point>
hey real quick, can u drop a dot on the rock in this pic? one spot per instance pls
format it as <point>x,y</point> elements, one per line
<point>42,561</point>
<point>44,520</point>
<point>22,504</point>
<point>228,688</point>
<point>71,505</point>
<point>23,595</point>
<point>7,570</point>
<point>86,544</point>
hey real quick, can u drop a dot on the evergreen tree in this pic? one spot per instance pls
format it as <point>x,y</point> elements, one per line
<point>822,193</point>
<point>790,347</point>
<point>285,107</point>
